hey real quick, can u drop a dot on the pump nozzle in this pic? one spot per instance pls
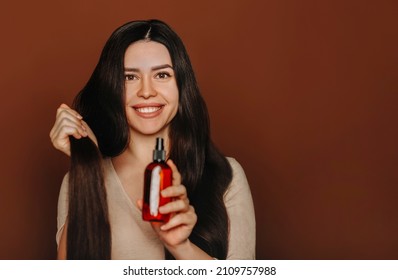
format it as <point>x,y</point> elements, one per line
<point>159,154</point>
<point>159,144</point>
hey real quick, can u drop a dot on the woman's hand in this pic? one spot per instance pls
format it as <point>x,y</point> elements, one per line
<point>174,234</point>
<point>183,218</point>
<point>68,122</point>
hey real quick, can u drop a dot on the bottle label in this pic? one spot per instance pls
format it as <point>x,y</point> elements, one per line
<point>156,180</point>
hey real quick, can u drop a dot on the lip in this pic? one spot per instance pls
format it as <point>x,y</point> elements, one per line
<point>148,115</point>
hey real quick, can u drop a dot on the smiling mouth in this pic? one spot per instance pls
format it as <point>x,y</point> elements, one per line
<point>148,110</point>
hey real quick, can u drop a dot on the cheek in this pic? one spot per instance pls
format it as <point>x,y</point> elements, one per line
<point>129,91</point>
<point>173,101</point>
<point>172,94</point>
<point>175,93</point>
<point>176,99</point>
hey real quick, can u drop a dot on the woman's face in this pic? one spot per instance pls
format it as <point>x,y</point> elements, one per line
<point>150,88</point>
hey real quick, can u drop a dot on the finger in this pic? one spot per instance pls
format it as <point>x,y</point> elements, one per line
<point>65,107</point>
<point>62,110</point>
<point>67,118</point>
<point>175,191</point>
<point>63,114</point>
<point>64,129</point>
<point>140,203</point>
<point>188,219</point>
<point>61,139</point>
<point>156,226</point>
<point>180,205</point>
<point>176,174</point>
<point>90,133</point>
<point>71,115</point>
<point>74,122</point>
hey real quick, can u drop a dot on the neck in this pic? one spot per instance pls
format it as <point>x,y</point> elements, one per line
<point>140,149</point>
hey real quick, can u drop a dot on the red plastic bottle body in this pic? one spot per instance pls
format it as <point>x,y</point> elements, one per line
<point>158,176</point>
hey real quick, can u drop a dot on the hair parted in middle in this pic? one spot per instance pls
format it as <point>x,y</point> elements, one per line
<point>205,171</point>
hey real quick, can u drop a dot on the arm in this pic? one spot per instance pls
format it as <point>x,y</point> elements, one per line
<point>68,122</point>
<point>240,209</point>
<point>188,251</point>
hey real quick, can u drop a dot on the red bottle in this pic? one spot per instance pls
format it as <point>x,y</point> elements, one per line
<point>158,176</point>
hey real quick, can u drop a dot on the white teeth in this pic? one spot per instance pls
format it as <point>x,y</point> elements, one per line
<point>148,109</point>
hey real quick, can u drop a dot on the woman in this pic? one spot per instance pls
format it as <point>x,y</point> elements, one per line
<point>144,87</point>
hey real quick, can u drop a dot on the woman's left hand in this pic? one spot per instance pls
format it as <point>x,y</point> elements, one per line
<point>183,217</point>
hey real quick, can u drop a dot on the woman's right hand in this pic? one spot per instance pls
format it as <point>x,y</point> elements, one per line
<point>68,122</point>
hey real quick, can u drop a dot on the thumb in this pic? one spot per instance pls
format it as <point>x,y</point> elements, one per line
<point>140,203</point>
<point>63,105</point>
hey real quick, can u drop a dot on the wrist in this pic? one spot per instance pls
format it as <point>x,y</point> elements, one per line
<point>187,251</point>
<point>177,250</point>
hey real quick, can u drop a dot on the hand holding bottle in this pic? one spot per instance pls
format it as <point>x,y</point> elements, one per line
<point>183,216</point>
<point>174,234</point>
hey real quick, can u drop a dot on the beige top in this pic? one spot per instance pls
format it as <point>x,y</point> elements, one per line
<point>132,238</point>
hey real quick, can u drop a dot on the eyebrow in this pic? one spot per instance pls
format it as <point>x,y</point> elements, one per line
<point>163,66</point>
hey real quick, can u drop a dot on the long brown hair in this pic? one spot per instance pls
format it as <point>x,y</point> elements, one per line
<point>205,171</point>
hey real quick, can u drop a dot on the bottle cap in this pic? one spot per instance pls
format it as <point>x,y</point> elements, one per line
<point>159,154</point>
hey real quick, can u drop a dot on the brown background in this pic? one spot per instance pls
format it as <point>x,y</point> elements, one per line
<point>303,93</point>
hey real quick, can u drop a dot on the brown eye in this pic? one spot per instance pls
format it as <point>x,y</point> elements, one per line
<point>129,77</point>
<point>163,75</point>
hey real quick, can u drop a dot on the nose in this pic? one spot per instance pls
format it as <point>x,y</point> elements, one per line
<point>147,90</point>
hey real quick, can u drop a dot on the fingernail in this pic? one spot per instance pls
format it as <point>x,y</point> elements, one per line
<point>163,193</point>
<point>79,117</point>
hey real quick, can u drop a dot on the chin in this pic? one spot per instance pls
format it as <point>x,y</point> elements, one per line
<point>149,131</point>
